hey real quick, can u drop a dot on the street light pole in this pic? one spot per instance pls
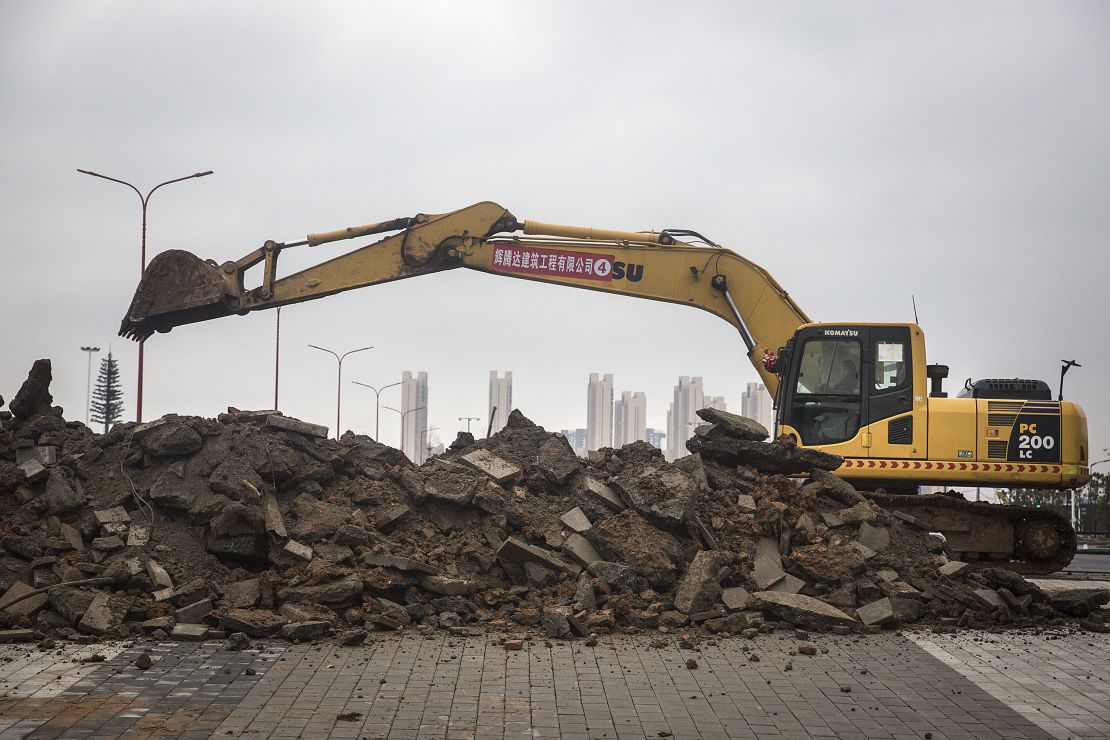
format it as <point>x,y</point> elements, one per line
<point>277,355</point>
<point>142,264</point>
<point>88,381</point>
<point>339,378</point>
<point>1090,469</point>
<point>469,419</point>
<point>404,418</point>
<point>377,399</point>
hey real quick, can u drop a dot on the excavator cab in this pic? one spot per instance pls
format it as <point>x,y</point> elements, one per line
<point>849,388</point>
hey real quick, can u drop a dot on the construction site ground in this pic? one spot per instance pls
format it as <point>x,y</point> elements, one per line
<point>908,684</point>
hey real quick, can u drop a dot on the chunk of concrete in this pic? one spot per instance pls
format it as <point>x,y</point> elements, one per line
<point>580,550</point>
<point>498,468</point>
<point>604,494</point>
<point>913,521</point>
<point>576,520</point>
<point>45,454</point>
<point>190,632</point>
<point>877,612</point>
<point>803,611</point>
<point>138,535</point>
<point>242,594</point>
<point>99,618</point>
<point>700,586</point>
<point>990,597</point>
<point>113,515</point>
<point>28,606</point>
<point>736,598</point>
<point>399,563</point>
<point>519,552</point>
<point>193,613</point>
<point>296,550</point>
<point>33,470</point>
<point>448,586</point>
<point>254,622</point>
<point>289,424</point>
<point>333,592</point>
<point>387,515</point>
<point>875,537</point>
<point>746,503</point>
<point>735,426</point>
<point>767,566</point>
<point>951,568</point>
<point>18,635</point>
<point>271,515</point>
<point>61,497</point>
<point>305,630</point>
<point>159,576</point>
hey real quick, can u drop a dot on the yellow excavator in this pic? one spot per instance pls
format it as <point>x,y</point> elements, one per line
<point>859,390</point>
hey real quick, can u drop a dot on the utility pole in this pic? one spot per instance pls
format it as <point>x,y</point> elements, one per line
<point>145,199</point>
<point>88,381</point>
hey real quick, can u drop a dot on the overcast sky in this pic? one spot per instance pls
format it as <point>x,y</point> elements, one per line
<point>861,152</point>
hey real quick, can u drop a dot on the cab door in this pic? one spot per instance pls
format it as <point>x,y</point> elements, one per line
<point>823,403</point>
<point>888,382</point>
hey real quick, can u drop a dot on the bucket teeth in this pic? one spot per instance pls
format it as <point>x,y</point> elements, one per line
<point>177,288</point>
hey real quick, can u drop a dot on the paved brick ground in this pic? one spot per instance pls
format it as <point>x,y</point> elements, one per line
<point>968,686</point>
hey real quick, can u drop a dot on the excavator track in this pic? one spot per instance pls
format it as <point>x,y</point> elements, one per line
<point>1026,541</point>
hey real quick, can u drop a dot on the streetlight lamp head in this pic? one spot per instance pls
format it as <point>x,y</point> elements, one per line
<point>202,174</point>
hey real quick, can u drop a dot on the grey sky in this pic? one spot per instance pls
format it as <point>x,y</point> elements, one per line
<point>862,152</point>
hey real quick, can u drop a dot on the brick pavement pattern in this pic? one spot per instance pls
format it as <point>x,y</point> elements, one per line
<point>972,685</point>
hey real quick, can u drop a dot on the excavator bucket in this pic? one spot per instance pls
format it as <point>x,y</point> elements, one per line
<point>177,288</point>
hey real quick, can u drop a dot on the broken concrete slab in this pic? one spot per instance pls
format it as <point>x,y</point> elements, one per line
<point>289,424</point>
<point>271,515</point>
<point>734,425</point>
<point>736,598</point>
<point>745,502</point>
<point>18,635</point>
<point>449,586</point>
<point>297,551</point>
<point>517,551</point>
<point>190,632</point>
<point>913,521</point>
<point>99,617</point>
<point>604,494</point>
<point>576,520</point>
<point>952,567</point>
<point>28,606</point>
<point>193,613</point>
<point>159,576</point>
<point>580,550</point>
<point>300,631</point>
<point>498,468</point>
<point>33,470</point>
<point>333,592</point>
<point>877,612</point>
<point>803,611</point>
<point>399,563</point>
<point>242,594</point>
<point>138,535</point>
<point>663,494</point>
<point>257,623</point>
<point>875,537</point>
<point>700,586</point>
<point>767,564</point>
<point>62,497</point>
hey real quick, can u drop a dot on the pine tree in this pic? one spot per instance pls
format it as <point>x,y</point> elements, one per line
<point>107,403</point>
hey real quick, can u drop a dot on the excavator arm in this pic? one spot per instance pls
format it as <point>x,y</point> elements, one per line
<point>180,288</point>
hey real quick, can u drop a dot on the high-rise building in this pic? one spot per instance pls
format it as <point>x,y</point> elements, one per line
<point>576,438</point>
<point>629,418</point>
<point>657,438</point>
<point>715,402</point>
<point>414,416</point>
<point>599,412</point>
<point>682,417</point>
<point>755,403</point>
<point>500,399</point>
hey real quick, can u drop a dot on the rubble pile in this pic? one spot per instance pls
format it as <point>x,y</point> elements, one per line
<point>256,525</point>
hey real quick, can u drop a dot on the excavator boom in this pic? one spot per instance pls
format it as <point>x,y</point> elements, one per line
<point>179,288</point>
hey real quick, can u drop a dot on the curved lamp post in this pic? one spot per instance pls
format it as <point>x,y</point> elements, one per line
<point>142,265</point>
<point>339,378</point>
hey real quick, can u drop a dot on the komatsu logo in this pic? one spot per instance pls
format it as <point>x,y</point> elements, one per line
<point>841,332</point>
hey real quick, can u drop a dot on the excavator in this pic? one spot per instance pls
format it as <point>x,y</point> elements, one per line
<point>862,391</point>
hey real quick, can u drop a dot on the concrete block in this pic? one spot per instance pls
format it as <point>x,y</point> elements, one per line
<point>576,520</point>
<point>875,537</point>
<point>193,613</point>
<point>735,598</point>
<point>189,632</point>
<point>98,618</point>
<point>951,568</point>
<point>242,594</point>
<point>45,454</point>
<point>989,597</point>
<point>517,551</point>
<point>580,550</point>
<point>495,467</point>
<point>159,576</point>
<point>877,612</point>
<point>138,535</point>
<point>33,471</point>
<point>28,606</point>
<point>112,515</point>
<point>297,550</point>
<point>746,503</point>
<point>271,514</point>
<point>289,424</point>
<point>604,494</point>
<point>305,630</point>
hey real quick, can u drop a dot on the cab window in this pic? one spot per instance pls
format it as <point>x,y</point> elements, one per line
<point>826,401</point>
<point>890,365</point>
